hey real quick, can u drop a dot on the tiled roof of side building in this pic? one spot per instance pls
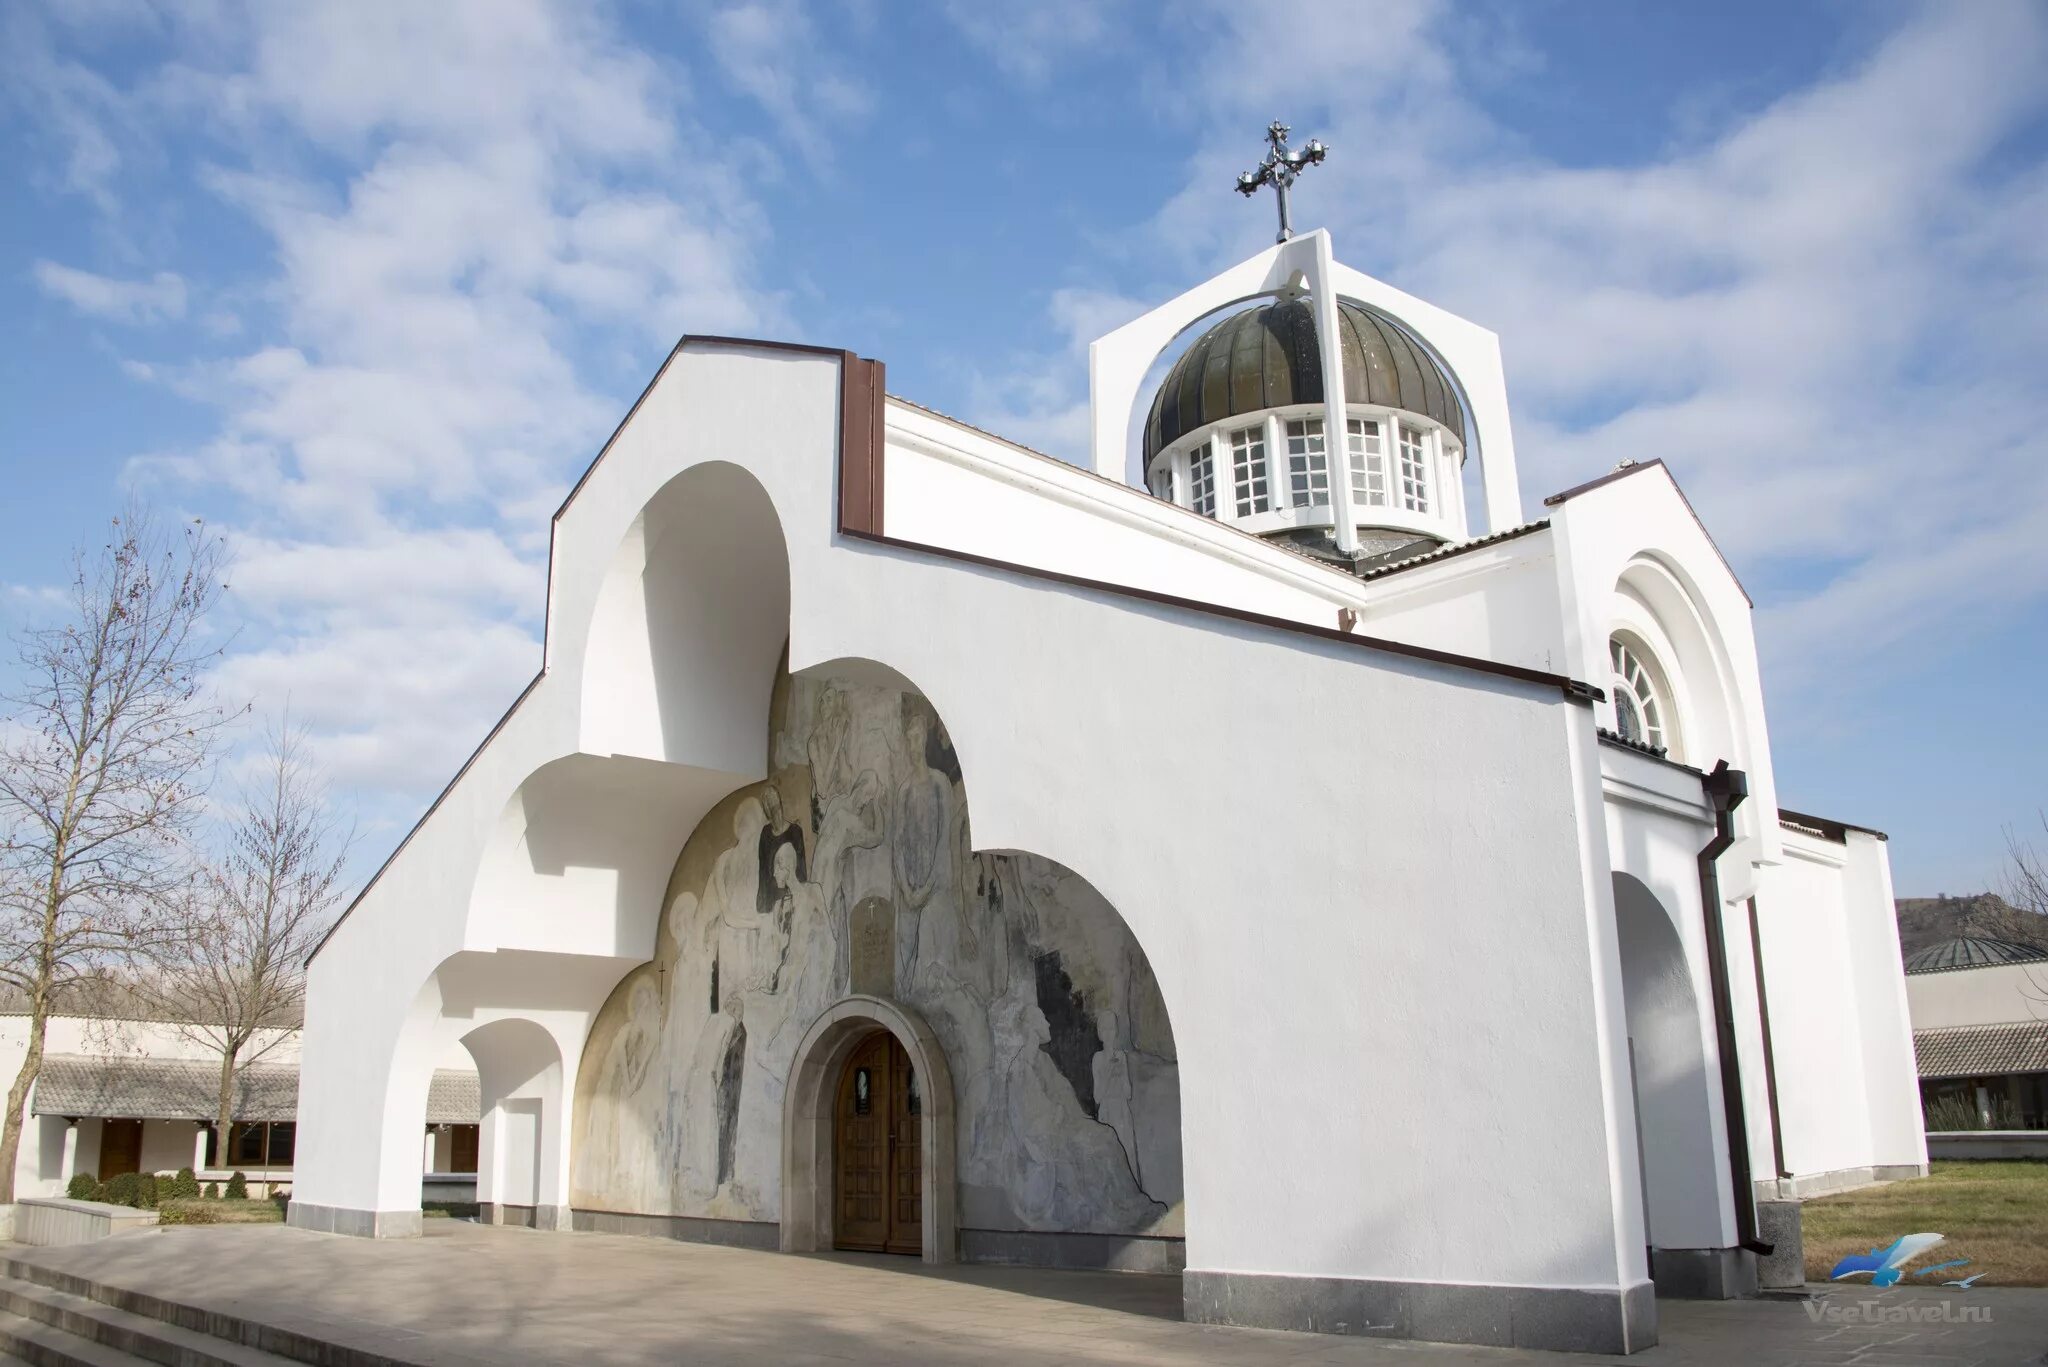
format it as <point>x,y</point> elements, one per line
<point>79,1085</point>
<point>1982,1050</point>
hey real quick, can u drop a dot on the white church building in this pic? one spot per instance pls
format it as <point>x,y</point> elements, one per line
<point>1293,864</point>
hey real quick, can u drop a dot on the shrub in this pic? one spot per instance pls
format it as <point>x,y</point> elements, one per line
<point>238,1186</point>
<point>188,1213</point>
<point>213,1191</point>
<point>183,1187</point>
<point>1954,1112</point>
<point>145,1190</point>
<point>83,1187</point>
<point>123,1190</point>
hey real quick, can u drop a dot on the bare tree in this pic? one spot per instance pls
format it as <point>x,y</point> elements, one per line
<point>2026,880</point>
<point>102,761</point>
<point>260,907</point>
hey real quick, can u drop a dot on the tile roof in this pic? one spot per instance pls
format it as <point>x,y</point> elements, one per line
<point>1452,548</point>
<point>1979,1050</point>
<point>186,1089</point>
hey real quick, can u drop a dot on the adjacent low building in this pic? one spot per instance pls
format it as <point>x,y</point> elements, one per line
<point>116,1096</point>
<point>1980,1036</point>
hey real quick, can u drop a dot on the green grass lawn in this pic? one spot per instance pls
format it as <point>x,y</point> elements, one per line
<point>200,1211</point>
<point>1993,1213</point>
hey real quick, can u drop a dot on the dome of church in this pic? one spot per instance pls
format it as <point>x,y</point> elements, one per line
<point>1267,356</point>
<point>1973,951</point>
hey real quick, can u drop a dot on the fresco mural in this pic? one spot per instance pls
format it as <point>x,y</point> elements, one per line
<point>851,870</point>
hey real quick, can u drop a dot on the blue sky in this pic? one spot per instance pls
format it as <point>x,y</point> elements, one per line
<point>366,285</point>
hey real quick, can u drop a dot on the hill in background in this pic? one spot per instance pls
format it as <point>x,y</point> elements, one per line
<point>1925,921</point>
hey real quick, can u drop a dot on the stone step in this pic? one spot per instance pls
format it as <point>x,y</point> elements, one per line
<point>223,1335</point>
<point>131,1337</point>
<point>41,1345</point>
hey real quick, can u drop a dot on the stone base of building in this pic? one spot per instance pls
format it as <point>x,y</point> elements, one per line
<point>1987,1144</point>
<point>765,1235</point>
<point>1840,1179</point>
<point>1076,1252</point>
<point>556,1218</point>
<point>1704,1274</point>
<point>1562,1319</point>
<point>362,1224</point>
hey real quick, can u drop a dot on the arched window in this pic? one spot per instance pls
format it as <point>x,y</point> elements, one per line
<point>1642,705</point>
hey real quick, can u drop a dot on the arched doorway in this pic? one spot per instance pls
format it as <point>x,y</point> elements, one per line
<point>877,1150</point>
<point>1687,1203</point>
<point>847,1180</point>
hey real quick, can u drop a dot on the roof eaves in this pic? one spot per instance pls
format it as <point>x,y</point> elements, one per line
<point>1829,828</point>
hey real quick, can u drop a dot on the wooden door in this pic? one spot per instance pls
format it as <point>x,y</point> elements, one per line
<point>462,1148</point>
<point>878,1151</point>
<point>120,1147</point>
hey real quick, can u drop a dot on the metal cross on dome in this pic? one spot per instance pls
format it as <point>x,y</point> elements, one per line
<point>1279,170</point>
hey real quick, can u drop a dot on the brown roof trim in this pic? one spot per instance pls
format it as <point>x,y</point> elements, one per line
<point>1831,830</point>
<point>1619,472</point>
<point>1573,689</point>
<point>686,340</point>
<point>1623,473</point>
<point>852,376</point>
<point>863,448</point>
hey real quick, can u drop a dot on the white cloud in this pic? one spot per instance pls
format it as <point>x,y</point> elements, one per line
<point>1028,40</point>
<point>1830,318</point>
<point>1035,401</point>
<point>460,201</point>
<point>772,52</point>
<point>122,301</point>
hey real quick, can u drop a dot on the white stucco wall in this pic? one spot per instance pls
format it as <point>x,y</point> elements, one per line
<point>1979,996</point>
<point>1848,1094</point>
<point>1457,950</point>
<point>1500,602</point>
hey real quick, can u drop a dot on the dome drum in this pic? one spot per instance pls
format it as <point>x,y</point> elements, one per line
<point>1236,433</point>
<point>1270,473</point>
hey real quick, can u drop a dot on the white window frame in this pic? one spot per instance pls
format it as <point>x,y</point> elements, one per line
<point>1634,672</point>
<point>1297,429</point>
<point>1308,463</point>
<point>1201,459</point>
<point>1251,474</point>
<point>1413,463</point>
<point>1367,463</point>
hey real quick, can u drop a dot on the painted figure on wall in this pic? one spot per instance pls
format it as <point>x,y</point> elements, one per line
<point>852,869</point>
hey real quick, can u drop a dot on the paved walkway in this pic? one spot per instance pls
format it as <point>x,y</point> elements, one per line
<point>467,1294</point>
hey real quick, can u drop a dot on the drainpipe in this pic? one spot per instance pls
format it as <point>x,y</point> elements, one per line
<point>1725,789</point>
